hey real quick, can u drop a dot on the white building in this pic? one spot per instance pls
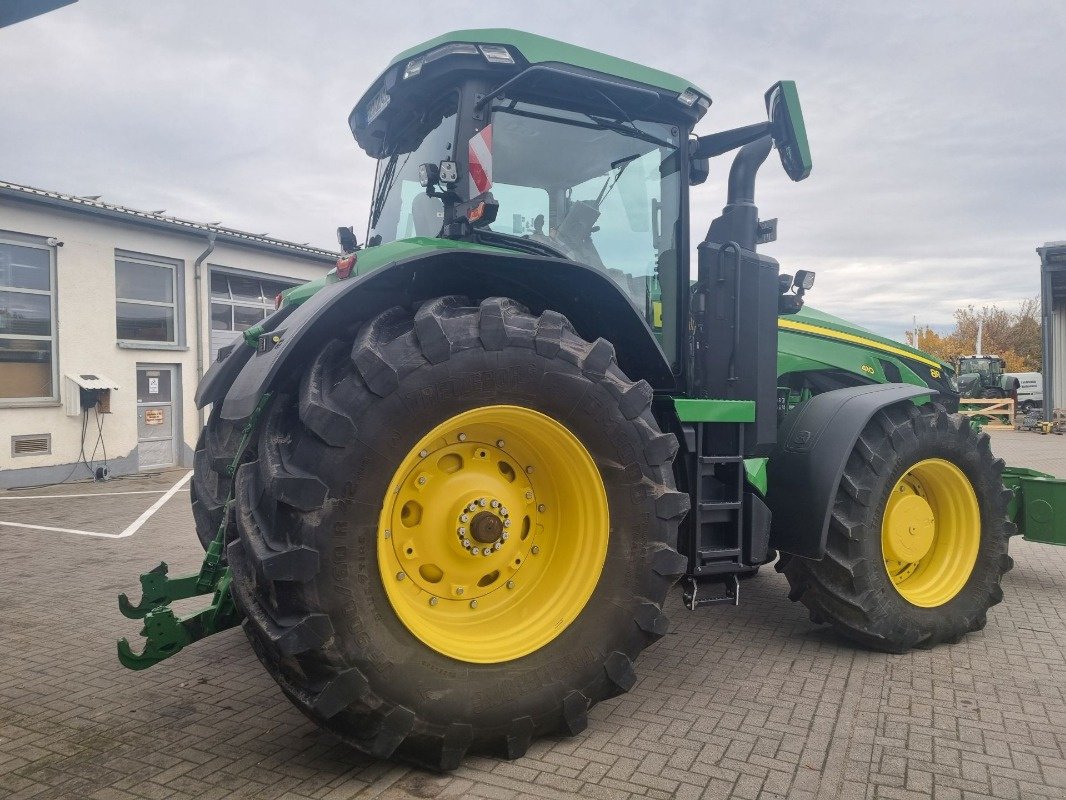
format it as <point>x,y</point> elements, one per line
<point>134,303</point>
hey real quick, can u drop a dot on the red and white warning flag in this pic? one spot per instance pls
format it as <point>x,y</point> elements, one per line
<point>480,158</point>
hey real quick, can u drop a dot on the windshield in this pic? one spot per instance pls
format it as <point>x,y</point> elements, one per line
<point>982,366</point>
<point>401,208</point>
<point>603,192</point>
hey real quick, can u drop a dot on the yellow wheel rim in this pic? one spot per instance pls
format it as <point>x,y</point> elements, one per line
<point>493,534</point>
<point>931,532</point>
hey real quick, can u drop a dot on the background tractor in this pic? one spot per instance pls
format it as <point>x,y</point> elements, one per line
<point>983,376</point>
<point>448,487</point>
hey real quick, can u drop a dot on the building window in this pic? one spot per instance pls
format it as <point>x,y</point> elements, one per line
<point>238,302</point>
<point>28,369</point>
<point>146,300</point>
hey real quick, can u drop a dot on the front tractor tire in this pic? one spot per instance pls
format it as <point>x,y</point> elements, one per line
<point>458,533</point>
<point>918,535</point>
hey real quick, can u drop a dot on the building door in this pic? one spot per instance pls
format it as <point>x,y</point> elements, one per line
<point>156,428</point>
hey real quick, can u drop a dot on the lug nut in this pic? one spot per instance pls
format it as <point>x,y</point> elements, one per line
<point>542,508</point>
<point>487,552</point>
<point>506,524</point>
<point>510,584</point>
<point>529,470</point>
<point>503,536</point>
<point>497,546</point>
<point>534,549</point>
<point>400,576</point>
<point>421,480</point>
<point>462,531</point>
<point>503,510</point>
<point>475,551</point>
<point>473,603</point>
<point>462,437</point>
<point>529,495</point>
<point>500,443</point>
<point>458,589</point>
<point>495,504</point>
<point>433,601</point>
<point>388,534</point>
<point>423,453</point>
<point>482,502</point>
<point>464,517</point>
<point>466,543</point>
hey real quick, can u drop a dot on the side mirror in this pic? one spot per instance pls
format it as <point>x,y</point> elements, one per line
<point>787,128</point>
<point>346,239</point>
<point>698,171</point>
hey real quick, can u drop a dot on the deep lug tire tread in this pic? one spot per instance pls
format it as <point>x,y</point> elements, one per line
<point>211,482</point>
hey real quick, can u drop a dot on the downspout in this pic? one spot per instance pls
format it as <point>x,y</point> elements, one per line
<point>197,272</point>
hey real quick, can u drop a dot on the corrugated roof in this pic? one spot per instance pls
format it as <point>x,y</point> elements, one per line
<point>156,220</point>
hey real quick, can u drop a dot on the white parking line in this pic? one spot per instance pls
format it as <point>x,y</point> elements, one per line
<point>130,529</point>
<point>56,530</point>
<point>158,504</point>
<point>87,494</point>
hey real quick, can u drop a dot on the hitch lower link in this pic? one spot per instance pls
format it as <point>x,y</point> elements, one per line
<point>165,632</point>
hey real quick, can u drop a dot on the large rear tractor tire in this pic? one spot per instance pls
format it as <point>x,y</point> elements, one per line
<point>459,534</point>
<point>918,536</point>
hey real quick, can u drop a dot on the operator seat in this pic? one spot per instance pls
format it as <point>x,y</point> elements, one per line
<point>428,215</point>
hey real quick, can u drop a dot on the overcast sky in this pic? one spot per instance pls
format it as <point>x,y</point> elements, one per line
<point>938,129</point>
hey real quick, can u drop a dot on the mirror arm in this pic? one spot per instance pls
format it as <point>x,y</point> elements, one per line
<point>715,144</point>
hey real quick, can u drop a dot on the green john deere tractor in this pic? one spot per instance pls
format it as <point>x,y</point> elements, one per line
<point>447,487</point>
<point>982,376</point>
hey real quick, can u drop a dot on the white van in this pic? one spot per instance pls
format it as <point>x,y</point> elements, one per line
<point>1030,390</point>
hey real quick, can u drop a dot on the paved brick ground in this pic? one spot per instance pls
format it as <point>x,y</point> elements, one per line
<point>736,702</point>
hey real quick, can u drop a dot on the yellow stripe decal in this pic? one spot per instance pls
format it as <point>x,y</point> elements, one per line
<point>829,333</point>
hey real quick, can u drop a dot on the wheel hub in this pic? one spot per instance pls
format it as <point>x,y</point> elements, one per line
<point>909,528</point>
<point>486,527</point>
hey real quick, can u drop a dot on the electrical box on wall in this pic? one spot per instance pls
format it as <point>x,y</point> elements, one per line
<point>84,391</point>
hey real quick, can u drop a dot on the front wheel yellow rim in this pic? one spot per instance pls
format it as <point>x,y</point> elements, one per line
<point>931,532</point>
<point>493,534</point>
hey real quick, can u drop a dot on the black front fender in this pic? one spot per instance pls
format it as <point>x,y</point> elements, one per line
<point>805,468</point>
<point>592,302</point>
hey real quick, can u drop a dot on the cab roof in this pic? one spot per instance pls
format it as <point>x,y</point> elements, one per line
<point>418,77</point>
<point>541,49</point>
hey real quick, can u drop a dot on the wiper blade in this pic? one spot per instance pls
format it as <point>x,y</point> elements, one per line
<point>630,130</point>
<point>388,178</point>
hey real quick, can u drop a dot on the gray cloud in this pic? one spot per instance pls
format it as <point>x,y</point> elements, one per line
<point>938,131</point>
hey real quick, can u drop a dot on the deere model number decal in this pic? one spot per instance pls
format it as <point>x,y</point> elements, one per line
<point>868,369</point>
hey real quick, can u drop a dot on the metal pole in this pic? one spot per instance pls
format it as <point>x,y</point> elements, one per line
<point>1047,339</point>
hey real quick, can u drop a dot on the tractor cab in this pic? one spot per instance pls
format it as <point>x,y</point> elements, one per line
<point>989,368</point>
<point>523,144</point>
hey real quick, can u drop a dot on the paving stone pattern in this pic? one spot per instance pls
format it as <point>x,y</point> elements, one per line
<point>748,702</point>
